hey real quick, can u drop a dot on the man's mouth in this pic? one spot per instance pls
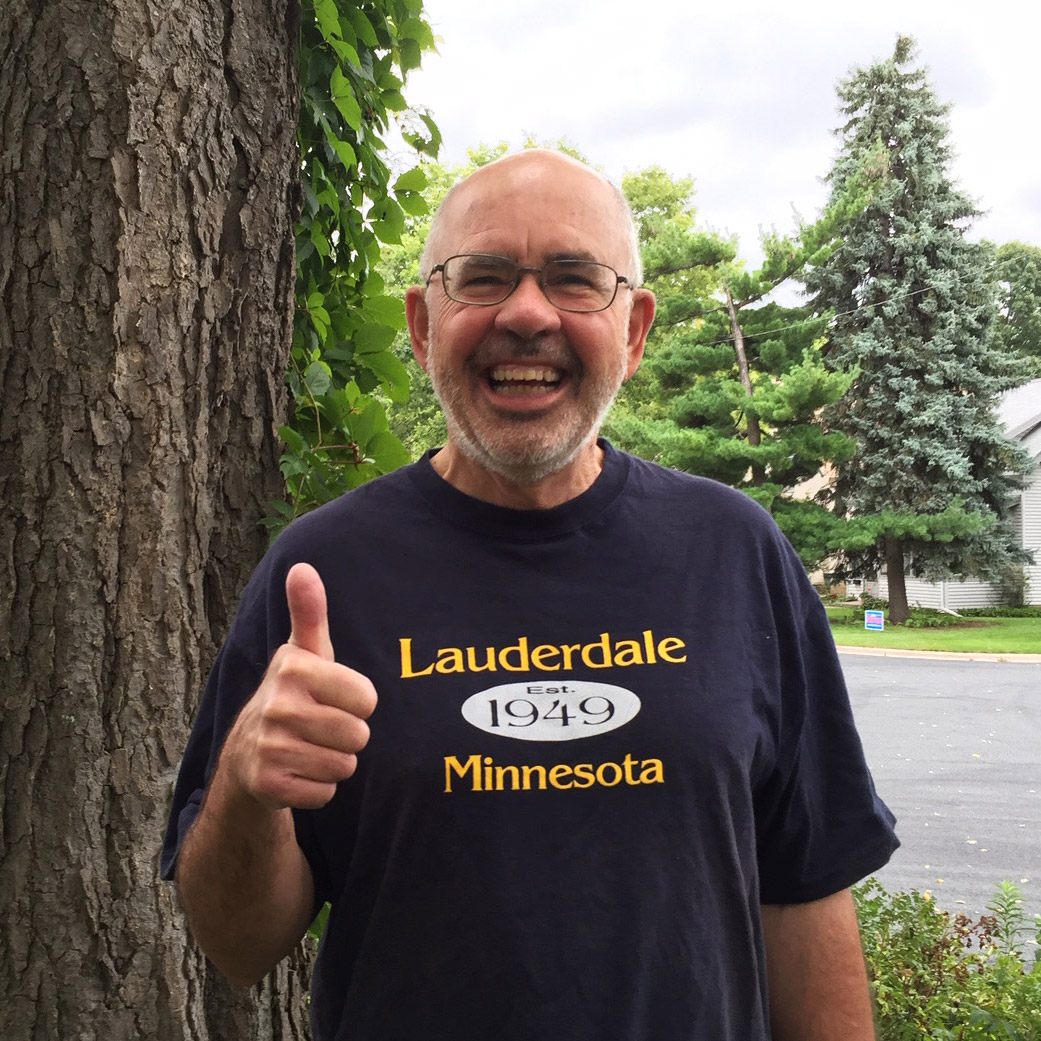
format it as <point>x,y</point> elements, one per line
<point>524,380</point>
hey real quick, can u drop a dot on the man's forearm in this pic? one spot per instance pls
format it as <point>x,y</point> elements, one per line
<point>245,884</point>
<point>818,982</point>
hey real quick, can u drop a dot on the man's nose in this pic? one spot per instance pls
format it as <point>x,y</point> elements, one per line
<point>526,311</point>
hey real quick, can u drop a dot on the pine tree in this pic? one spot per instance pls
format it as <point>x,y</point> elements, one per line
<point>933,475</point>
<point>732,386</point>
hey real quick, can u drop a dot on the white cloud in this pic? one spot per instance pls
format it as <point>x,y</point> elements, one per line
<point>740,97</point>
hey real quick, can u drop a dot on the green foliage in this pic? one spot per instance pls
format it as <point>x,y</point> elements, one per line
<point>354,59</point>
<point>731,385</point>
<point>915,305</point>
<point>1017,270</point>
<point>947,978</point>
<point>1001,612</point>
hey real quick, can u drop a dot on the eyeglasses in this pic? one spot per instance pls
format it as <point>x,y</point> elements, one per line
<point>483,280</point>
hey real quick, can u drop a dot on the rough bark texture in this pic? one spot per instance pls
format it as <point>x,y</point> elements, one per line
<point>147,182</point>
<point>898,609</point>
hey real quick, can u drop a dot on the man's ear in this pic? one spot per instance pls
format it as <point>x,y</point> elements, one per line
<point>641,315</point>
<point>418,318</point>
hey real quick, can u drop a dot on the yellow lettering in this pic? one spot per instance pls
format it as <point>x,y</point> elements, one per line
<point>601,774</point>
<point>489,660</point>
<point>523,661</point>
<point>501,773</point>
<point>651,772</point>
<point>584,772</point>
<point>672,643</point>
<point>604,645</point>
<point>648,642</point>
<point>407,672</point>
<point>450,659</point>
<point>567,650</point>
<point>541,653</point>
<point>628,652</point>
<point>536,771</point>
<point>452,765</point>
<point>557,773</point>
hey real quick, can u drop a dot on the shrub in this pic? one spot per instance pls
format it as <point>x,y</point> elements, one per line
<point>946,978</point>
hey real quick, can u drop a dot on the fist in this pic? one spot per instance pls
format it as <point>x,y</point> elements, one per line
<point>299,735</point>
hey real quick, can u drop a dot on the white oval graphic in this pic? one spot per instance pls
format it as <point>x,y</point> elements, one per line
<point>563,710</point>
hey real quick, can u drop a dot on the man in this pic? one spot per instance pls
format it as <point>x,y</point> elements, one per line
<point>611,788</point>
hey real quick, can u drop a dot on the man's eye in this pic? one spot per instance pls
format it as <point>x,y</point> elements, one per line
<point>477,279</point>
<point>574,278</point>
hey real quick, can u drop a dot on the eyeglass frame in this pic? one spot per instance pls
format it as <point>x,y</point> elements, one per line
<point>521,272</point>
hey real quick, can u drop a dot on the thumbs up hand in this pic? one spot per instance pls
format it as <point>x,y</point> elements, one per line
<point>299,735</point>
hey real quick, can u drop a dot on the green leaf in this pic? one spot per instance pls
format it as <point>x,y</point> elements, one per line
<point>387,452</point>
<point>384,310</point>
<point>318,378</point>
<point>345,52</point>
<point>413,204</point>
<point>292,439</point>
<point>344,99</point>
<point>371,338</point>
<point>391,372</point>
<point>343,151</point>
<point>414,180</point>
<point>394,101</point>
<point>328,18</point>
<point>362,26</point>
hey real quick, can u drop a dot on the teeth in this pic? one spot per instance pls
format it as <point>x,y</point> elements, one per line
<point>504,373</point>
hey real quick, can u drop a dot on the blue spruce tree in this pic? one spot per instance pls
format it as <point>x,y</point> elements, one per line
<point>930,483</point>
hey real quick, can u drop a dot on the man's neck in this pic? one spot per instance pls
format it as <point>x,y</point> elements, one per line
<point>469,476</point>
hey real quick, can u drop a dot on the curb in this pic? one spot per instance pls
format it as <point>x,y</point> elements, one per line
<point>886,652</point>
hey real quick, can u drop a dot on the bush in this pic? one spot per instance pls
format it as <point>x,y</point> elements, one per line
<point>946,978</point>
<point>1001,612</point>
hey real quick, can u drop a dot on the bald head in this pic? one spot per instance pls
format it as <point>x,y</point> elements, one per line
<point>521,177</point>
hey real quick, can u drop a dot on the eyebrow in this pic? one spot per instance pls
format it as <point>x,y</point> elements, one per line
<point>571,254</point>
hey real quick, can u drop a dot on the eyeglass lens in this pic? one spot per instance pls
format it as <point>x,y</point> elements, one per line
<point>573,285</point>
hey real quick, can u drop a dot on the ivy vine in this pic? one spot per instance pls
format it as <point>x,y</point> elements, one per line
<point>354,59</point>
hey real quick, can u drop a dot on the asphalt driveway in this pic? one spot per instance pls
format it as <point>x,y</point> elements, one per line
<point>955,749</point>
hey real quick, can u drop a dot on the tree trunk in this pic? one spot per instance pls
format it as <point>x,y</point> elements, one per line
<point>898,610</point>
<point>147,181</point>
<point>752,421</point>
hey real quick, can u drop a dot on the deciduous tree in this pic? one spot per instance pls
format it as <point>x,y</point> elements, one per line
<point>148,189</point>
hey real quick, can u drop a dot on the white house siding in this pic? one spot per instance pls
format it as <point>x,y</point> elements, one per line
<point>1020,413</point>
<point>950,596</point>
<point>1030,517</point>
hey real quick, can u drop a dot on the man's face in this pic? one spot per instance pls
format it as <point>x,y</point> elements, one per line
<point>523,385</point>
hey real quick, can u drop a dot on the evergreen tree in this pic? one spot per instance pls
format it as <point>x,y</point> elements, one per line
<point>933,475</point>
<point>731,386</point>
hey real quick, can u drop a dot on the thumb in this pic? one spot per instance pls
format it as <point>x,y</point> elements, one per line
<point>308,611</point>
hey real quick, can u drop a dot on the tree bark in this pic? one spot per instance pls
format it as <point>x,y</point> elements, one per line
<point>147,187</point>
<point>751,420</point>
<point>898,609</point>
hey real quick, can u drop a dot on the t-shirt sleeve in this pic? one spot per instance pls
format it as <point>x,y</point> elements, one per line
<point>820,824</point>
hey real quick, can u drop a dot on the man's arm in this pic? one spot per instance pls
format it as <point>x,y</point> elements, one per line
<point>818,982</point>
<point>245,883</point>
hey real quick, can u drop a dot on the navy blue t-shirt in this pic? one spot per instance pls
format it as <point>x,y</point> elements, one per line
<point>606,733</point>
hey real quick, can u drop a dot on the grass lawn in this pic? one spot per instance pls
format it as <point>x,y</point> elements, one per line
<point>980,635</point>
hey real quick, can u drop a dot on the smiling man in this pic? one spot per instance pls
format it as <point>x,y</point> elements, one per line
<point>531,330</point>
<point>560,735</point>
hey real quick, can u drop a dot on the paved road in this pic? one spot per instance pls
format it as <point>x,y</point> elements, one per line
<point>955,749</point>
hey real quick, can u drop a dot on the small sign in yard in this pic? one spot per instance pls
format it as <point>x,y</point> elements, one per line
<point>875,620</point>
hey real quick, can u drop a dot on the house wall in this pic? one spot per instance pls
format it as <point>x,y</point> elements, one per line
<point>955,595</point>
<point>1030,518</point>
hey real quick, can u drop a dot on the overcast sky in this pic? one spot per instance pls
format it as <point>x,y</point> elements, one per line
<point>740,95</point>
